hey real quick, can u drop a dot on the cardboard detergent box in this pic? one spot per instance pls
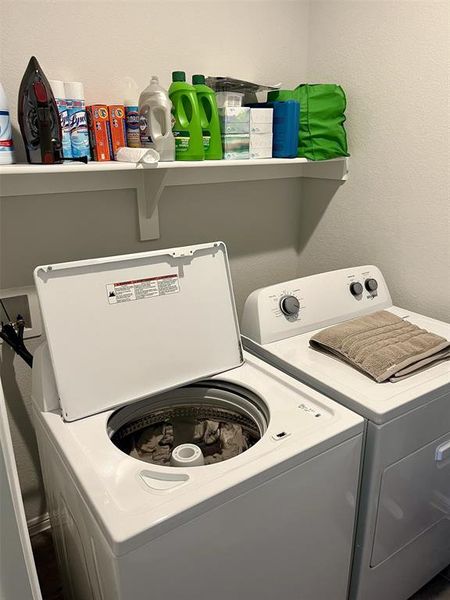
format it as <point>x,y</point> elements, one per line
<point>117,128</point>
<point>99,137</point>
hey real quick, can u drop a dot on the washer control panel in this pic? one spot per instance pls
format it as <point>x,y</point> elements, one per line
<point>287,309</point>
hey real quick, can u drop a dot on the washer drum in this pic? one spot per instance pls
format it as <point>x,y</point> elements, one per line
<point>220,419</point>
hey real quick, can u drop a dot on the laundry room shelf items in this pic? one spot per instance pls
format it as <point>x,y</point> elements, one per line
<point>149,181</point>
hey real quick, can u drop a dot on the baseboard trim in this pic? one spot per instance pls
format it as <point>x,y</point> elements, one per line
<point>38,524</point>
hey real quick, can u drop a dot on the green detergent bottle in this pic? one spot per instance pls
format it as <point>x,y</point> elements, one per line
<point>187,128</point>
<point>209,118</point>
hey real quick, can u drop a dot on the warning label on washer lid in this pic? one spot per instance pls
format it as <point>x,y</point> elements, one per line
<point>139,289</point>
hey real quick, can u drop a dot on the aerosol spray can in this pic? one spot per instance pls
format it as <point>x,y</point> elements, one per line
<point>79,134</point>
<point>61,102</point>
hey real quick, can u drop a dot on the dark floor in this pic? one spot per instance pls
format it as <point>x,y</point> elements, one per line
<point>437,589</point>
<point>45,559</point>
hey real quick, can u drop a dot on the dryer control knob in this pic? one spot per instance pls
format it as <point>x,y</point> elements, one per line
<point>371,285</point>
<point>356,288</point>
<point>289,305</point>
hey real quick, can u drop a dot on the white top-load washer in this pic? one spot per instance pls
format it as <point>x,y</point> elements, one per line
<point>403,531</point>
<point>141,380</point>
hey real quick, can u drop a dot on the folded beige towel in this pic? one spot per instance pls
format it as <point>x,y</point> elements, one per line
<point>383,346</point>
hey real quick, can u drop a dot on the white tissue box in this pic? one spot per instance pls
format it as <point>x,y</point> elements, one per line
<point>261,120</point>
<point>235,120</point>
<point>261,145</point>
<point>235,147</point>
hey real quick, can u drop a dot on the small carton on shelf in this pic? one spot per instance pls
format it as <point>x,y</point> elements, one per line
<point>261,145</point>
<point>261,120</point>
<point>98,125</point>
<point>228,99</point>
<point>236,146</point>
<point>234,120</point>
<point>261,124</point>
<point>117,127</point>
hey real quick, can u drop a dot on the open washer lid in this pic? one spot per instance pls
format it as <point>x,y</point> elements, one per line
<point>127,327</point>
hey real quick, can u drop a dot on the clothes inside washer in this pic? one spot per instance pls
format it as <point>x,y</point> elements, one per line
<point>217,440</point>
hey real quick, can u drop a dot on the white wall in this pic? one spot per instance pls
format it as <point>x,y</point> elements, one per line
<point>392,58</point>
<point>110,40</point>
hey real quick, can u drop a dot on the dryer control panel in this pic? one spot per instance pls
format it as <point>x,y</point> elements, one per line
<point>308,303</point>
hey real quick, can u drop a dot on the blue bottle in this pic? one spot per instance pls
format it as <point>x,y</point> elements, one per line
<point>286,123</point>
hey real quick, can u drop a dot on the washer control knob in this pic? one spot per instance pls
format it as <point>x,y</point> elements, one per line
<point>356,288</point>
<point>371,285</point>
<point>289,305</point>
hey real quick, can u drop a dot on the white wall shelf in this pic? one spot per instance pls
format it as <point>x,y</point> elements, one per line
<point>149,181</point>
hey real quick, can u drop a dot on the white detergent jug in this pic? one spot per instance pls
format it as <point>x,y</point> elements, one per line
<point>155,120</point>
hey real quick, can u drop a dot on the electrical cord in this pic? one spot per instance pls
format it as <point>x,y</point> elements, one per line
<point>12,334</point>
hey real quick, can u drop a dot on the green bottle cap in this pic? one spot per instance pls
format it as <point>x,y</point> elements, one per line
<point>198,79</point>
<point>178,76</point>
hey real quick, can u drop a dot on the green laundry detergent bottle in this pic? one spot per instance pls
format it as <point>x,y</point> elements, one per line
<point>209,119</point>
<point>187,128</point>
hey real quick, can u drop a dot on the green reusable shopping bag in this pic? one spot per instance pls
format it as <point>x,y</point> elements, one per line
<point>322,107</point>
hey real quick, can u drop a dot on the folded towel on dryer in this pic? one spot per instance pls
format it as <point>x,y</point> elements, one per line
<point>383,346</point>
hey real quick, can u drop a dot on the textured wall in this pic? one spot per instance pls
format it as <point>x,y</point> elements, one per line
<point>259,221</point>
<point>392,58</point>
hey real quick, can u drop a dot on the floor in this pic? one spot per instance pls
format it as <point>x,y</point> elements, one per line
<point>45,559</point>
<point>437,589</point>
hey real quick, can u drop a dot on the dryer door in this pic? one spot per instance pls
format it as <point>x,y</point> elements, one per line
<point>414,500</point>
<point>18,577</point>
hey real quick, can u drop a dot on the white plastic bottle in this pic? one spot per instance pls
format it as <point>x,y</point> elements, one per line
<point>6,144</point>
<point>155,120</point>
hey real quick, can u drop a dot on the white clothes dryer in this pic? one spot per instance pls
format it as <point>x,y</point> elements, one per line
<point>175,464</point>
<point>403,531</point>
